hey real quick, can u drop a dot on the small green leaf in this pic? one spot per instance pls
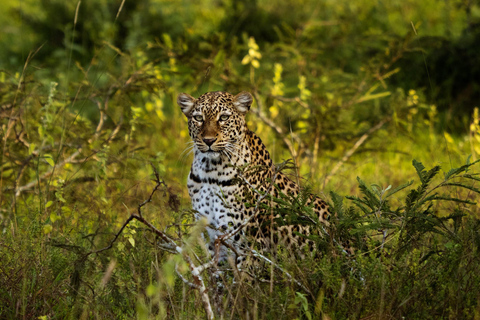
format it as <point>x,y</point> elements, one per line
<point>31,148</point>
<point>368,97</point>
<point>132,241</point>
<point>449,245</point>
<point>169,272</point>
<point>41,131</point>
<point>120,246</point>
<point>47,228</point>
<point>167,40</point>
<point>151,290</point>
<point>49,159</point>
<point>66,210</point>
<point>59,196</point>
<point>302,300</point>
<point>319,302</point>
<point>48,204</point>
<point>54,217</point>
<point>219,58</point>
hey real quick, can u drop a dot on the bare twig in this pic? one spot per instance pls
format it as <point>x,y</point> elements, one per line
<point>191,285</point>
<point>200,284</point>
<point>110,245</point>
<point>295,99</point>
<point>276,128</point>
<point>101,121</point>
<point>159,183</point>
<point>289,276</point>
<point>32,184</point>
<point>70,159</point>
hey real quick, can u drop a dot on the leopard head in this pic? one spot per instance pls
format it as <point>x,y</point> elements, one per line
<point>216,120</point>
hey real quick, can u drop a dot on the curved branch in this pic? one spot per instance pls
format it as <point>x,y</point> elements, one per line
<point>352,150</point>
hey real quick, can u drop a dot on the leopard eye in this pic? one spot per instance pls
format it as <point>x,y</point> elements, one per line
<point>224,117</point>
<point>198,118</point>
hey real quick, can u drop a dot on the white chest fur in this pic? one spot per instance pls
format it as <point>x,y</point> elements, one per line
<point>213,187</point>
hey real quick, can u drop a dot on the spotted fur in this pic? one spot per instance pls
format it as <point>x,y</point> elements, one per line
<point>218,187</point>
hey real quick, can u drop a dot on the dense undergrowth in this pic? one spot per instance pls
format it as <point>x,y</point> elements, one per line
<point>345,89</point>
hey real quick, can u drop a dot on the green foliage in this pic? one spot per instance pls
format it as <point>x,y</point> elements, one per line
<point>414,243</point>
<point>346,89</point>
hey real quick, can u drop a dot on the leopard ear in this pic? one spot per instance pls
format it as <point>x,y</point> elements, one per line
<point>243,101</point>
<point>186,103</point>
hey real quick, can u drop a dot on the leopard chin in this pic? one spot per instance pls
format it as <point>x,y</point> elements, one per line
<point>212,154</point>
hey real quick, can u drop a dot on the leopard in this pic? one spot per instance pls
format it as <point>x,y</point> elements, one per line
<point>219,183</point>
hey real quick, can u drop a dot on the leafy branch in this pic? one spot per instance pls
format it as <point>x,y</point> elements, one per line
<point>416,218</point>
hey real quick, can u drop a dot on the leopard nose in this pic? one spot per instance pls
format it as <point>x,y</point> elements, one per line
<point>209,141</point>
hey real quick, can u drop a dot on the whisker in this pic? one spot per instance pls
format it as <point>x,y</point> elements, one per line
<point>187,149</point>
<point>226,152</point>
<point>230,152</point>
<point>185,153</point>
<point>234,147</point>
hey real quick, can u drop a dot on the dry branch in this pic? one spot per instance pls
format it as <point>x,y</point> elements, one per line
<point>352,150</point>
<point>70,159</point>
<point>276,128</point>
<point>289,276</point>
<point>32,184</point>
<point>195,271</point>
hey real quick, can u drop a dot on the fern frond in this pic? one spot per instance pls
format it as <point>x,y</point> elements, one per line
<point>436,197</point>
<point>420,169</point>
<point>337,202</point>
<point>471,176</point>
<point>361,204</point>
<point>456,171</point>
<point>456,184</point>
<point>370,198</point>
<point>399,188</point>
